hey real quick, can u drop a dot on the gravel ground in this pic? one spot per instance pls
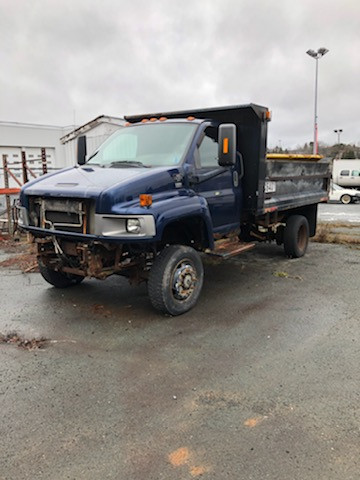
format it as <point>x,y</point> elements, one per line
<point>259,381</point>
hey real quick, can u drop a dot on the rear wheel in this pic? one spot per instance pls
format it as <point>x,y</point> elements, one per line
<point>296,236</point>
<point>176,280</point>
<point>345,199</point>
<point>58,279</point>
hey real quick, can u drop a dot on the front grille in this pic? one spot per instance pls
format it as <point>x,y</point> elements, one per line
<point>69,215</point>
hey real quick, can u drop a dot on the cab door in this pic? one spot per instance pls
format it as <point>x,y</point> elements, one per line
<point>218,185</point>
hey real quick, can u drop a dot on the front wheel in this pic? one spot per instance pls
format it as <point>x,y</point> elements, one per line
<point>58,279</point>
<point>296,236</point>
<point>345,199</point>
<point>176,279</point>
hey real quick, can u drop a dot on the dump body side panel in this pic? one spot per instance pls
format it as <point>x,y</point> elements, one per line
<point>290,184</point>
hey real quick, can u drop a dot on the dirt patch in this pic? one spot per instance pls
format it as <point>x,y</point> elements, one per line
<point>286,275</point>
<point>328,233</point>
<point>26,344</point>
<point>10,244</point>
<point>100,309</point>
<point>219,400</point>
<point>26,262</point>
<point>23,254</point>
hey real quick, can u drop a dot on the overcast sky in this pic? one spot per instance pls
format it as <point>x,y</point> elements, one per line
<point>120,57</point>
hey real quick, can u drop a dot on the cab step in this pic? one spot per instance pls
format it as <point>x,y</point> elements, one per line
<point>229,248</point>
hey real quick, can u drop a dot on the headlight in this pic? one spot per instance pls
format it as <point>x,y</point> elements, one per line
<point>133,225</point>
<point>23,218</point>
<point>124,226</point>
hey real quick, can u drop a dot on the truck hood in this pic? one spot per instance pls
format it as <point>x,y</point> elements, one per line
<point>108,186</point>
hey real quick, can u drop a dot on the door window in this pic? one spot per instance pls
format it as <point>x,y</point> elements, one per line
<point>208,150</point>
<point>344,173</point>
<point>355,173</point>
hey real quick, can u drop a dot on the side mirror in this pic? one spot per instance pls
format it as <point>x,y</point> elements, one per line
<point>227,144</point>
<point>81,150</point>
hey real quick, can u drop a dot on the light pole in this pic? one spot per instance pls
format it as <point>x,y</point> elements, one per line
<point>320,53</point>
<point>338,131</point>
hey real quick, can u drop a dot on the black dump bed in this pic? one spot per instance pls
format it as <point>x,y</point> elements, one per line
<point>295,180</point>
<point>268,183</point>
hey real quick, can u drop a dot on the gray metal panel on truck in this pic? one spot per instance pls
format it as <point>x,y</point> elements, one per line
<point>291,184</point>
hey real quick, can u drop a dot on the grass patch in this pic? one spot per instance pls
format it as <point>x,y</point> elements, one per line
<point>347,225</point>
<point>326,233</point>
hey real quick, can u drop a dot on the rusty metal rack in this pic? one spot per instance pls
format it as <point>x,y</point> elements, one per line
<point>11,219</point>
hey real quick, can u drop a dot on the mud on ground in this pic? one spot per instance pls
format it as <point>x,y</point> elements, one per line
<point>18,253</point>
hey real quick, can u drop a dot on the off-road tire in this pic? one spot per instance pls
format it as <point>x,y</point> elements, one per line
<point>345,199</point>
<point>59,279</point>
<point>162,293</point>
<point>296,236</point>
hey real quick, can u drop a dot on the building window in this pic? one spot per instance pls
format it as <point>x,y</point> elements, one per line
<point>15,155</point>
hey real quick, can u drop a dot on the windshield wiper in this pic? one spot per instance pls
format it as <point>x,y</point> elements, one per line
<point>127,163</point>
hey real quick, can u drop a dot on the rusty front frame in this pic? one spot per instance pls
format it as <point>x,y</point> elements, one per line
<point>89,260</point>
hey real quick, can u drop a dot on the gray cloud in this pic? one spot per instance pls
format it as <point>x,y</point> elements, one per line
<point>117,57</point>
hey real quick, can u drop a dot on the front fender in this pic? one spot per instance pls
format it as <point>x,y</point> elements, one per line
<point>175,209</point>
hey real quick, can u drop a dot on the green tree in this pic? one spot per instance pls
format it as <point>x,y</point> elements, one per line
<point>349,153</point>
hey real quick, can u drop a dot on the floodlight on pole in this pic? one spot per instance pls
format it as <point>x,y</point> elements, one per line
<point>320,53</point>
<point>338,131</point>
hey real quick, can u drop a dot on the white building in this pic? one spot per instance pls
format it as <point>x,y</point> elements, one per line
<point>59,143</point>
<point>24,137</point>
<point>96,132</point>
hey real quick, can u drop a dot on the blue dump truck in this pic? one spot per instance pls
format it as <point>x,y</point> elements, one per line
<point>165,190</point>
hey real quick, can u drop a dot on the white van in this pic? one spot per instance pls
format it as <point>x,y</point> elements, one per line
<point>346,172</point>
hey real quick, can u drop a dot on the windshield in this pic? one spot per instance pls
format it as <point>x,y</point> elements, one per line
<point>151,145</point>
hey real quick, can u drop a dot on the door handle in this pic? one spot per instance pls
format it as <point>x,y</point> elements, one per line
<point>235,178</point>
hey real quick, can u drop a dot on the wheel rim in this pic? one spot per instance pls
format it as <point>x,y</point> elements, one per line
<point>346,199</point>
<point>184,280</point>
<point>302,237</point>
